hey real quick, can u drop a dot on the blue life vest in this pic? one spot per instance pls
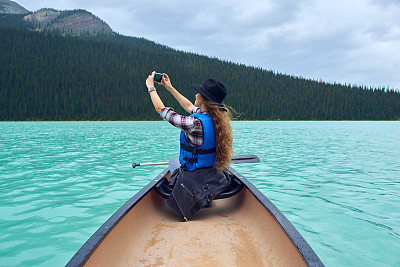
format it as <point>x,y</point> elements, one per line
<point>203,156</point>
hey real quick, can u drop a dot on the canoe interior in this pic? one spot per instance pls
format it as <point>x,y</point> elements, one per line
<point>236,231</point>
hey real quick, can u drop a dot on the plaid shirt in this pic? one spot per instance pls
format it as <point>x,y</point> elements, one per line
<point>190,125</point>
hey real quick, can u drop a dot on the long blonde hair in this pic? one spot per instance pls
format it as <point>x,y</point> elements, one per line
<point>221,115</point>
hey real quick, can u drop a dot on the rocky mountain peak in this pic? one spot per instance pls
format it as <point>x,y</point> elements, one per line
<point>70,22</point>
<point>44,16</point>
<point>10,7</point>
<point>67,22</point>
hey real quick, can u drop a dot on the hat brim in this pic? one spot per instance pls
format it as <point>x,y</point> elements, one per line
<point>205,94</point>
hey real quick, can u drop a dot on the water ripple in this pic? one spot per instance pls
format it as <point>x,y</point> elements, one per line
<point>337,182</point>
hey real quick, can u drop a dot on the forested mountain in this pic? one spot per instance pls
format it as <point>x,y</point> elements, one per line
<point>45,76</point>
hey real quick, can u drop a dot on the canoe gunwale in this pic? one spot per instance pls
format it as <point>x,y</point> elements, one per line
<point>303,247</point>
<point>95,240</point>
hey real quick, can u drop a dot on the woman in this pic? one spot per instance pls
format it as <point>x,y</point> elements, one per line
<point>205,141</point>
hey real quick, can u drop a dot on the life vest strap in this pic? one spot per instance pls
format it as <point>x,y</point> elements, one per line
<point>190,160</point>
<point>195,150</point>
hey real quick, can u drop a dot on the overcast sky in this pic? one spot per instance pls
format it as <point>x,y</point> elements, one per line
<point>344,41</point>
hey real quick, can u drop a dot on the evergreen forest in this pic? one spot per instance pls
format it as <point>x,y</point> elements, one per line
<point>45,76</point>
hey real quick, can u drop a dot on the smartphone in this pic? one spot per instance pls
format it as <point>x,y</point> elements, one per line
<point>158,77</point>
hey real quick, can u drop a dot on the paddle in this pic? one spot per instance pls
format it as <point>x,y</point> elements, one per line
<point>249,158</point>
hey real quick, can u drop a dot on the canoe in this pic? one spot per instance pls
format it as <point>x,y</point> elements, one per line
<point>240,228</point>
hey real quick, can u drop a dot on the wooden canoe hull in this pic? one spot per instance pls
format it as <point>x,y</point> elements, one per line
<point>243,230</point>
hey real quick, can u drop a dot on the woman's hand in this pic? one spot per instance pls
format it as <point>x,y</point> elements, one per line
<point>166,82</point>
<point>150,80</point>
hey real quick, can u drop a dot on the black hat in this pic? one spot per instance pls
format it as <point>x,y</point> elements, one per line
<point>212,90</point>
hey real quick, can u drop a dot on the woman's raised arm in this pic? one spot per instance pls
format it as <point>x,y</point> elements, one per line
<point>183,101</point>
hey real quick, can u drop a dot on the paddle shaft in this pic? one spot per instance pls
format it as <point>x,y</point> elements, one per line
<point>148,164</point>
<point>235,160</point>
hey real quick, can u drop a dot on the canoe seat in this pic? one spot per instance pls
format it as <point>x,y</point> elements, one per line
<point>164,189</point>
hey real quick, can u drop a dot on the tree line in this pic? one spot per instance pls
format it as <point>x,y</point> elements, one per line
<point>44,76</point>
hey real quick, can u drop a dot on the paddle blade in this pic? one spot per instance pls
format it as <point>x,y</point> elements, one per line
<point>245,159</point>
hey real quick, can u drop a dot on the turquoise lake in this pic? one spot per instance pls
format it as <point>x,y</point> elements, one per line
<point>337,182</point>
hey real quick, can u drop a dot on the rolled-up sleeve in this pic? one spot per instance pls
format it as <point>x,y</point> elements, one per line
<point>166,112</point>
<point>185,123</point>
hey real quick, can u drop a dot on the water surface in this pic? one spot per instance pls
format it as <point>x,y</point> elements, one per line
<point>337,182</point>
